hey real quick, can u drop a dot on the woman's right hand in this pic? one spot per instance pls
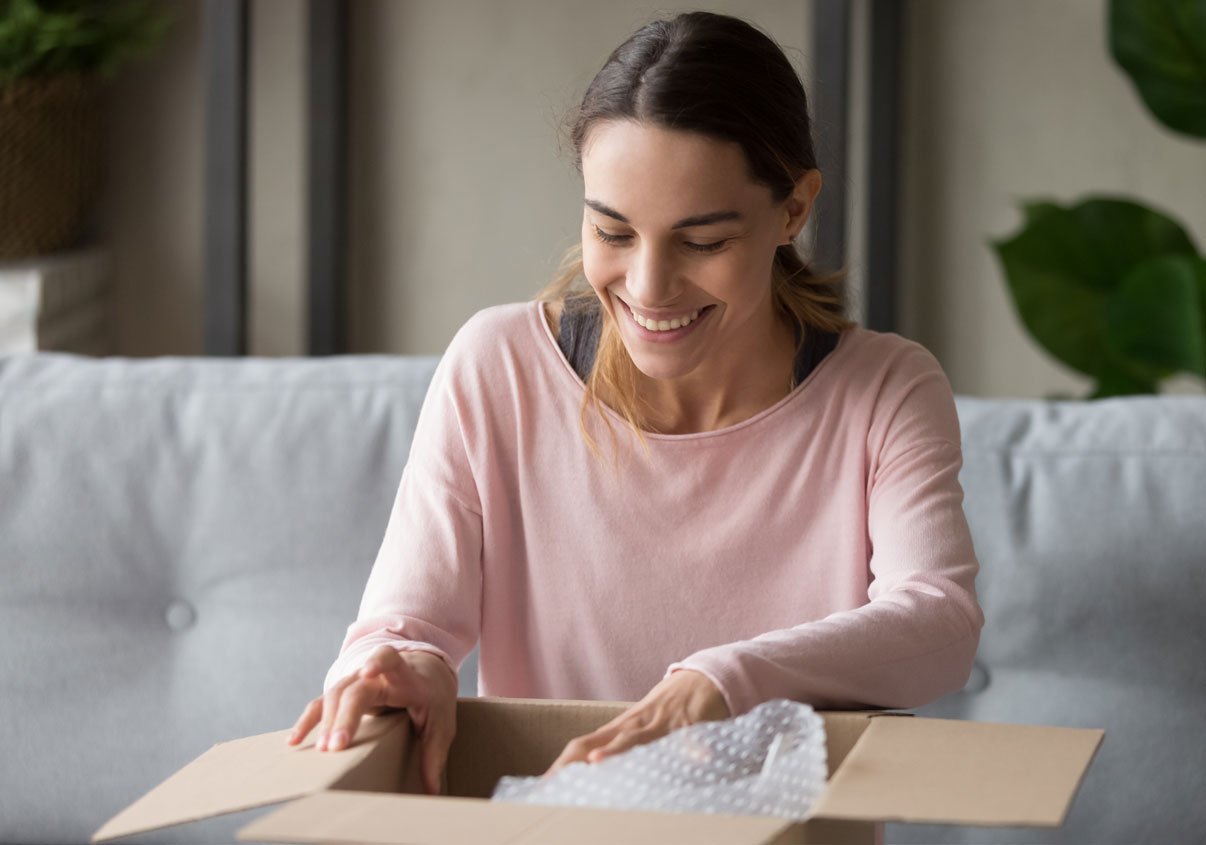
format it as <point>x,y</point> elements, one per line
<point>419,681</point>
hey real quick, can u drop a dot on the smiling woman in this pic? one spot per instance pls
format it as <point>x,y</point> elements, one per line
<point>656,264</point>
<point>696,152</point>
<point>793,525</point>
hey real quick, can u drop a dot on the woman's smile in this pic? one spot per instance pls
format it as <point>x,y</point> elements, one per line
<point>667,329</point>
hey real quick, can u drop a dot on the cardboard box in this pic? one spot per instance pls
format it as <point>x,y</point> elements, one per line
<point>882,767</point>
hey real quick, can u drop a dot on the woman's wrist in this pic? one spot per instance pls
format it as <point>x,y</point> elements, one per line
<point>707,702</point>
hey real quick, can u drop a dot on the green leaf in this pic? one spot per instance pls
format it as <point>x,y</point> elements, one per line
<point>1034,211</point>
<point>1119,383</point>
<point>1064,265</point>
<point>1161,44</point>
<point>52,37</point>
<point>1067,319</point>
<point>1157,318</point>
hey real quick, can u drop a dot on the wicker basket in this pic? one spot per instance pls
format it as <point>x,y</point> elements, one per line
<point>50,162</point>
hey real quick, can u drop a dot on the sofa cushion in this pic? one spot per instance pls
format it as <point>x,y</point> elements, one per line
<point>1088,520</point>
<point>182,545</point>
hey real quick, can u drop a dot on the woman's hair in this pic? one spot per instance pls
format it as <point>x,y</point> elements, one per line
<point>723,78</point>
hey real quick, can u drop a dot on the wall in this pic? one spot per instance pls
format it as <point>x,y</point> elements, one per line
<point>277,185</point>
<point>1005,101</point>
<point>459,197</point>
<point>152,215</point>
<point>151,212</point>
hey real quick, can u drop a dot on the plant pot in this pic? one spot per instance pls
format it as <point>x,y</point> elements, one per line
<point>50,162</point>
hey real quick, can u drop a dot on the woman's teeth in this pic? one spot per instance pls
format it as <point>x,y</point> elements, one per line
<point>665,325</point>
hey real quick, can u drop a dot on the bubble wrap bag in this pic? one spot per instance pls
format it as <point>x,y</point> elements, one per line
<point>770,761</point>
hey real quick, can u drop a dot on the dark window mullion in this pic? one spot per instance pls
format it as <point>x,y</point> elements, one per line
<point>326,122</point>
<point>831,50</point>
<point>225,217</point>
<point>883,166</point>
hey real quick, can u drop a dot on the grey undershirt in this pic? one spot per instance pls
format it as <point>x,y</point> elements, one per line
<point>581,323</point>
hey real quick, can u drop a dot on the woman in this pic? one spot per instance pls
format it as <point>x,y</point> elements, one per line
<point>691,483</point>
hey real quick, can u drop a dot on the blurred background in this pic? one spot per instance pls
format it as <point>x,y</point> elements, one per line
<point>458,195</point>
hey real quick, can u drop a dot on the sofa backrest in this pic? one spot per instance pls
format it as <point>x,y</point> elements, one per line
<point>1089,520</point>
<point>182,545</point>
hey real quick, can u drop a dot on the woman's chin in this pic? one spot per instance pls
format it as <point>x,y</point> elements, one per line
<point>661,370</point>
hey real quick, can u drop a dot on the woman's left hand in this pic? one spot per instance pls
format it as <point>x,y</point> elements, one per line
<point>683,698</point>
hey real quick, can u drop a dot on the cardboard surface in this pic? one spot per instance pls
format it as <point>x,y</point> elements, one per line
<point>955,772</point>
<point>520,736</point>
<point>883,767</point>
<point>375,819</point>
<point>256,771</point>
<point>363,817</point>
<point>842,733</point>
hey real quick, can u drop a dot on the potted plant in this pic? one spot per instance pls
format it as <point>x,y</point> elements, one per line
<point>54,56</point>
<point>1108,286</point>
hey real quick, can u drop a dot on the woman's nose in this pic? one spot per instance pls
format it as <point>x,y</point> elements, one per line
<point>652,278</point>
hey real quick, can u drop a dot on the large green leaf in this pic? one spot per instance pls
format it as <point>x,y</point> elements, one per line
<point>1065,264</point>
<point>1120,383</point>
<point>1157,318</point>
<point>1161,44</point>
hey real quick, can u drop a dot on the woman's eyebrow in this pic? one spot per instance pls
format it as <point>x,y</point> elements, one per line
<point>685,223</point>
<point>605,209</point>
<point>708,219</point>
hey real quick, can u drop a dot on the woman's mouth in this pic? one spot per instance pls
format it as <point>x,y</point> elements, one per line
<point>666,331</point>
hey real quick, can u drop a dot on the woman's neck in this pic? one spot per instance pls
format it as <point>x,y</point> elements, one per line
<point>750,376</point>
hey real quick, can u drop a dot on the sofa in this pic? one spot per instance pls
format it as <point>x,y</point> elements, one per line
<point>184,541</point>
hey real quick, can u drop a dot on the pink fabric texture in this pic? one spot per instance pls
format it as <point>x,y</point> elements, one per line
<point>817,551</point>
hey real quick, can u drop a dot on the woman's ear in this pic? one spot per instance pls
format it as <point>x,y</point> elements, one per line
<point>799,205</point>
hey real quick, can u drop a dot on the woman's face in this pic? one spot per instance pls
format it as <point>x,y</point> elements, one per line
<point>678,242</point>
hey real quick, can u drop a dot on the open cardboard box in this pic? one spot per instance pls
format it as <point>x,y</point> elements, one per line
<point>882,767</point>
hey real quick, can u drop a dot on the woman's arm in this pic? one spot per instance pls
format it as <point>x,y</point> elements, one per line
<point>915,639</point>
<point>425,589</point>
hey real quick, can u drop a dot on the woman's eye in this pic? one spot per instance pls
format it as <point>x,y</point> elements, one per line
<point>617,240</point>
<point>712,247</point>
<point>609,238</point>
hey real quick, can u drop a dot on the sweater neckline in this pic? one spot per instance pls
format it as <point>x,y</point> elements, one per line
<point>546,340</point>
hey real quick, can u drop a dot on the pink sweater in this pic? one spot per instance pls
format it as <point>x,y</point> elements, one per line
<point>817,551</point>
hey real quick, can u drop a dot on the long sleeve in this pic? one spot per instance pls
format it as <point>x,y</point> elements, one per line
<point>915,638</point>
<point>425,588</point>
<point>816,551</point>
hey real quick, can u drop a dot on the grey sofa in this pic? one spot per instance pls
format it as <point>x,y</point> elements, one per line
<point>183,541</point>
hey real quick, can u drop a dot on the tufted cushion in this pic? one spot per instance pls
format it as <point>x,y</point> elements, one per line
<point>1090,525</point>
<point>182,543</point>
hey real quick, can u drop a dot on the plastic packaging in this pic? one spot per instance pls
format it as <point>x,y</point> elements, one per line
<point>770,761</point>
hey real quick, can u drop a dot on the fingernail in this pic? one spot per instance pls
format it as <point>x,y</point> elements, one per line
<point>337,741</point>
<point>321,742</point>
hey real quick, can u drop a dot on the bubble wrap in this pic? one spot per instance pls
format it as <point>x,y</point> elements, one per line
<point>770,761</point>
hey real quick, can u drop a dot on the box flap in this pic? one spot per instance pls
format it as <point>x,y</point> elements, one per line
<point>842,731</point>
<point>374,817</point>
<point>355,818</point>
<point>950,771</point>
<point>584,826</point>
<point>251,772</point>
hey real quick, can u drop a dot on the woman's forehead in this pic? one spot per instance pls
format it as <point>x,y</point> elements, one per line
<point>634,167</point>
